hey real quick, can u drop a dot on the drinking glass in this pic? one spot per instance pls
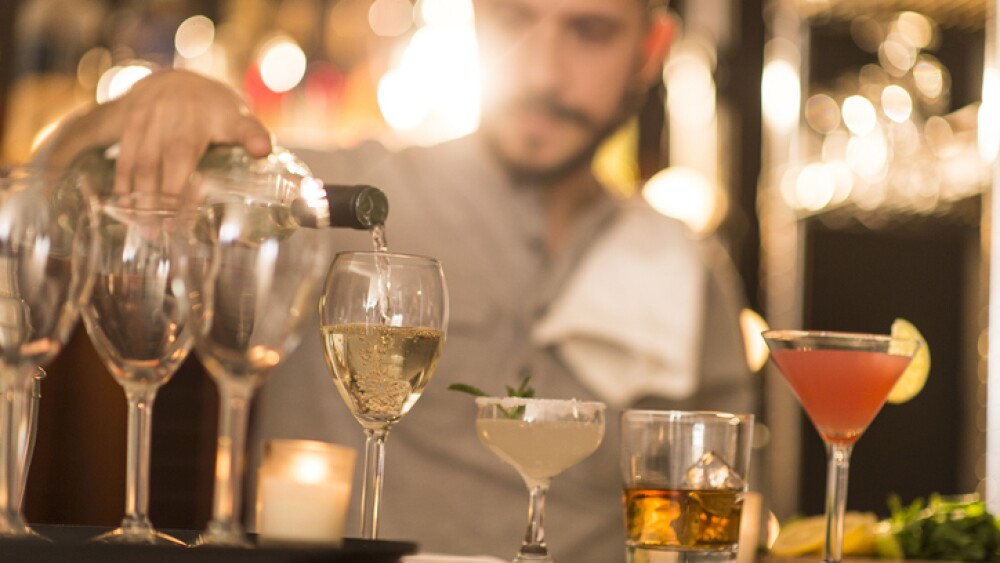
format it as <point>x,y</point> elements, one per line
<point>140,330</point>
<point>250,277</point>
<point>44,262</point>
<point>841,380</point>
<point>540,438</point>
<point>383,319</point>
<point>685,475</point>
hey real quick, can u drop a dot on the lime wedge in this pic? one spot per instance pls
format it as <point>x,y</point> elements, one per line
<point>915,376</point>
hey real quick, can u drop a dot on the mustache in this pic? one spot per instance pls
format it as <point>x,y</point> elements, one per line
<point>555,109</point>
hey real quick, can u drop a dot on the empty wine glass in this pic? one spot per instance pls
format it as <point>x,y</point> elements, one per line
<point>44,261</point>
<point>139,329</point>
<point>383,319</point>
<point>540,438</point>
<point>250,277</point>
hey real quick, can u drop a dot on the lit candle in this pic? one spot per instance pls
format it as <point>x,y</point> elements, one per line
<point>303,491</point>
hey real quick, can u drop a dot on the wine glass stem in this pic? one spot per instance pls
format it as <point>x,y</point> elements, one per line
<point>234,411</point>
<point>371,489</point>
<point>15,405</point>
<point>534,537</point>
<point>839,460</point>
<point>140,425</point>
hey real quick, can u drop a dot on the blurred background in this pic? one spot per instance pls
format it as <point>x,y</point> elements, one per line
<point>841,150</point>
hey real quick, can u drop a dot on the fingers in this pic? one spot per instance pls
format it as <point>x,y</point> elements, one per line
<point>169,122</point>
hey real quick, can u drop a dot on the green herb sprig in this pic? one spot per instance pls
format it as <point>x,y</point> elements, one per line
<point>955,529</point>
<point>524,391</point>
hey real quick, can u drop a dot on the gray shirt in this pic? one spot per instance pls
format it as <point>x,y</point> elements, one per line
<point>443,488</point>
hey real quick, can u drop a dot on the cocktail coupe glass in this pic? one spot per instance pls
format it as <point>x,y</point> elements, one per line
<point>383,319</point>
<point>841,380</point>
<point>140,330</point>
<point>44,266</point>
<point>540,438</point>
<point>250,277</point>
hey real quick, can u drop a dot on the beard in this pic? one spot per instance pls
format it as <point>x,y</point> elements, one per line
<point>597,131</point>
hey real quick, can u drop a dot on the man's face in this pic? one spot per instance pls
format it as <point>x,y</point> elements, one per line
<point>558,74</point>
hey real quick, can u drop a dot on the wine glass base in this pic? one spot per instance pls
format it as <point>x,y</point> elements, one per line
<point>223,534</point>
<point>25,533</point>
<point>531,558</point>
<point>147,536</point>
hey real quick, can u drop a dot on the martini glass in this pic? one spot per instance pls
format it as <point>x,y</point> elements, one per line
<point>841,380</point>
<point>540,438</point>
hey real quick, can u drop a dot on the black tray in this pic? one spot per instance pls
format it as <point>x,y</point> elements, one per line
<point>69,543</point>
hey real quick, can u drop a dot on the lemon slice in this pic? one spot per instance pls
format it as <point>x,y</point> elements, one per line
<point>915,376</point>
<point>807,535</point>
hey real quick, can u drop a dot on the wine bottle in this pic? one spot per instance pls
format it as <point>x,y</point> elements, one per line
<point>278,179</point>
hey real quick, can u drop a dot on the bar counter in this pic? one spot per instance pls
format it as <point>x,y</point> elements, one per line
<point>69,543</point>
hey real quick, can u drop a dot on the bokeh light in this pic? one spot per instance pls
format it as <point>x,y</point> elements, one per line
<point>814,188</point>
<point>690,86</point>
<point>686,195</point>
<point>780,95</point>
<point>92,65</point>
<point>194,37</point>
<point>897,54</point>
<point>445,12</point>
<point>433,94</point>
<point>822,113</point>
<point>929,77</point>
<point>752,324</point>
<point>390,18</point>
<point>896,103</point>
<point>118,80</point>
<point>916,28</point>
<point>859,115</point>
<point>282,64</point>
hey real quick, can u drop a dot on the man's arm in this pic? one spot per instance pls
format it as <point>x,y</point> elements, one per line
<point>163,124</point>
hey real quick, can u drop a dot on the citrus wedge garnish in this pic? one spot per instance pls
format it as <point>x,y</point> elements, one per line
<point>915,376</point>
<point>807,535</point>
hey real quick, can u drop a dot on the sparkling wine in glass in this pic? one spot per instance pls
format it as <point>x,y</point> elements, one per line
<point>250,277</point>
<point>140,330</point>
<point>383,319</point>
<point>841,380</point>
<point>44,266</point>
<point>540,438</point>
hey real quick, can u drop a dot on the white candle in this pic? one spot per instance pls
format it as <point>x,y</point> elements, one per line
<point>303,491</point>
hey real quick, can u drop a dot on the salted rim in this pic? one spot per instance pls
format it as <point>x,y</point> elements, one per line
<point>507,402</point>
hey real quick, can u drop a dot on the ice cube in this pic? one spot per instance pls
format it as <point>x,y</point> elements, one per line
<point>712,472</point>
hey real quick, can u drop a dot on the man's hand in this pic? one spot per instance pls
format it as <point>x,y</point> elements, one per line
<point>164,124</point>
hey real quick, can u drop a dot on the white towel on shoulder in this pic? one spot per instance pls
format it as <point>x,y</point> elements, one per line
<point>628,322</point>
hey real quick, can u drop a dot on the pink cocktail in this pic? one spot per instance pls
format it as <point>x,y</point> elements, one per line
<point>841,380</point>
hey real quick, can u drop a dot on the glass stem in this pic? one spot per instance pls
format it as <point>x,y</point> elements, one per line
<point>371,488</point>
<point>14,412</point>
<point>839,460</point>
<point>230,453</point>
<point>534,537</point>
<point>140,426</point>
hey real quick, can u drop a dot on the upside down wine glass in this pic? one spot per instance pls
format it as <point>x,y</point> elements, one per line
<point>383,319</point>
<point>540,438</point>
<point>140,330</point>
<point>44,266</point>
<point>841,380</point>
<point>250,277</point>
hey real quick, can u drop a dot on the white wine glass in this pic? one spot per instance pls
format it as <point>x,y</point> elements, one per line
<point>383,320</point>
<point>140,330</point>
<point>540,438</point>
<point>44,266</point>
<point>250,276</point>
